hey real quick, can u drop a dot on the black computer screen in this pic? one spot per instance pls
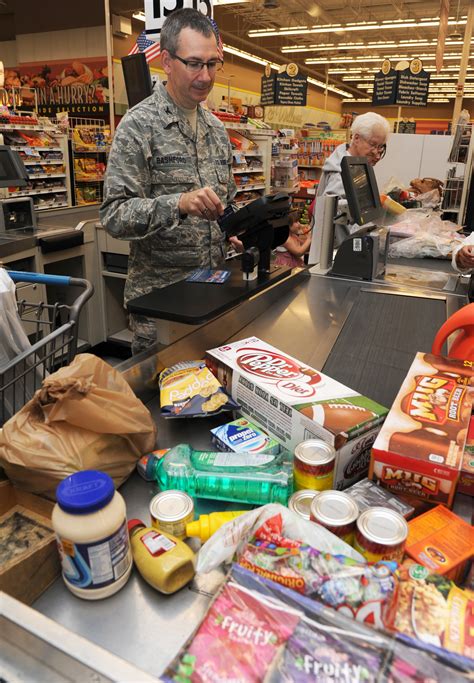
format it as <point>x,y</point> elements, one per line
<point>12,169</point>
<point>136,73</point>
<point>361,190</point>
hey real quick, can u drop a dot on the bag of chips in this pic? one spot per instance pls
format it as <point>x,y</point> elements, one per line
<point>189,389</point>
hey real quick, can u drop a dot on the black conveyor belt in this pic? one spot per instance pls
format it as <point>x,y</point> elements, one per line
<point>379,339</point>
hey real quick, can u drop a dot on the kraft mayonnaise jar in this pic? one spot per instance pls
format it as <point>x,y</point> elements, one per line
<point>92,536</point>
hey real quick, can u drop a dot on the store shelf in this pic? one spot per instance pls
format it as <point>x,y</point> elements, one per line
<point>35,176</point>
<point>51,206</point>
<point>90,180</point>
<point>247,188</point>
<point>248,170</point>
<point>44,162</point>
<point>27,193</point>
<point>318,168</point>
<point>14,126</point>
<point>92,150</point>
<point>42,148</point>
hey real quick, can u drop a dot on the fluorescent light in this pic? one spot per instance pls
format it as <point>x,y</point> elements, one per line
<point>253,58</point>
<point>139,15</point>
<point>379,45</point>
<point>229,2</point>
<point>352,59</point>
<point>355,26</point>
<point>248,56</point>
<point>330,87</point>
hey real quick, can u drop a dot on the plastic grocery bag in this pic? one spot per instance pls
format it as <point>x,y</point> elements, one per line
<point>13,341</point>
<point>85,416</point>
<point>434,238</point>
<point>234,535</point>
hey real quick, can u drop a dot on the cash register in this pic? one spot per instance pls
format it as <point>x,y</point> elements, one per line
<point>362,255</point>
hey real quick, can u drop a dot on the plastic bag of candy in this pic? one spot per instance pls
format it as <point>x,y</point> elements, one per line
<point>360,590</point>
<point>189,389</point>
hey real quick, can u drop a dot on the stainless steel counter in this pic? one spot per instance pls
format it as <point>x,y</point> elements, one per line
<point>307,321</point>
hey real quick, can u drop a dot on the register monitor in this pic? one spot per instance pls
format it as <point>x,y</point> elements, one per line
<point>363,254</point>
<point>136,73</point>
<point>12,169</point>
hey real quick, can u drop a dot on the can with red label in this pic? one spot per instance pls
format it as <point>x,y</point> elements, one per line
<point>314,465</point>
<point>300,502</point>
<point>381,534</point>
<point>337,512</point>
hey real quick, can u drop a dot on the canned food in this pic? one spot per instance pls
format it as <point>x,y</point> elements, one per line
<point>381,534</point>
<point>300,502</point>
<point>314,465</point>
<point>170,511</point>
<point>337,512</point>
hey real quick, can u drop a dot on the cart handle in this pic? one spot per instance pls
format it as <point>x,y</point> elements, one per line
<point>40,278</point>
<point>43,279</point>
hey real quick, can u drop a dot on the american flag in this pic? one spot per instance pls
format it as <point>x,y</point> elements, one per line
<point>220,48</point>
<point>150,48</point>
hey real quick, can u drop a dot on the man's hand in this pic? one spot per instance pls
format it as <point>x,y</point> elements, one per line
<point>465,257</point>
<point>203,203</point>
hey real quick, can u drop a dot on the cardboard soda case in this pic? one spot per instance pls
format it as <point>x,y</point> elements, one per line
<point>419,449</point>
<point>294,402</point>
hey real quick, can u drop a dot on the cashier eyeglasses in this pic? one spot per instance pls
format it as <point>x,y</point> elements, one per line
<point>195,67</point>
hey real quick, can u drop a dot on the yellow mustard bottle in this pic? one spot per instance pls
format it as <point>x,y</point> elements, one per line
<point>207,525</point>
<point>165,562</point>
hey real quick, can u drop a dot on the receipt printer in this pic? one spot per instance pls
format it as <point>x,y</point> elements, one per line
<point>362,255</point>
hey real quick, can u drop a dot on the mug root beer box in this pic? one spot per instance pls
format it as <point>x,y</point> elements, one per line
<point>419,449</point>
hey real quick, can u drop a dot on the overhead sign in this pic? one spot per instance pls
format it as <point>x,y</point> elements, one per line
<point>385,85</point>
<point>156,12</point>
<point>288,87</point>
<point>413,85</point>
<point>408,87</point>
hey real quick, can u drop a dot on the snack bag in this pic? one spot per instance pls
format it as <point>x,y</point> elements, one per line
<point>238,639</point>
<point>359,590</point>
<point>189,389</point>
<point>434,610</point>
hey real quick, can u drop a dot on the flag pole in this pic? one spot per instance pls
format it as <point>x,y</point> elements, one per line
<point>110,66</point>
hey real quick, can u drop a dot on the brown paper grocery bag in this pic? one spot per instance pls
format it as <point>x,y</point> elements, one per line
<point>85,416</point>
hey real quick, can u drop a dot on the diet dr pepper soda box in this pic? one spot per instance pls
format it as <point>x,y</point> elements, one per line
<point>294,402</point>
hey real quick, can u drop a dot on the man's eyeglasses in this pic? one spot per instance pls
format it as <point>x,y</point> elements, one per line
<point>195,67</point>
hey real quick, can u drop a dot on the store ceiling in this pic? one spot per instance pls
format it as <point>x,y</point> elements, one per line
<point>331,32</point>
<point>348,39</point>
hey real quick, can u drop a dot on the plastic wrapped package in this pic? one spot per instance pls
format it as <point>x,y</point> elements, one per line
<point>430,236</point>
<point>256,630</point>
<point>232,537</point>
<point>359,590</point>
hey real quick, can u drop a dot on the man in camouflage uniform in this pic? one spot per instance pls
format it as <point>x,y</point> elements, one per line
<point>169,172</point>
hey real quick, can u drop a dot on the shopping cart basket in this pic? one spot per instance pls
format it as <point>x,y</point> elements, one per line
<point>54,340</point>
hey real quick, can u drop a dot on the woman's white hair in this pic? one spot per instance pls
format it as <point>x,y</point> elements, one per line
<point>366,124</point>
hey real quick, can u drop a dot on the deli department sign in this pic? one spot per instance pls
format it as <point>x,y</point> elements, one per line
<point>286,88</point>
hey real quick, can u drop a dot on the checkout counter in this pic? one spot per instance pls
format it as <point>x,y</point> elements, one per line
<point>362,332</point>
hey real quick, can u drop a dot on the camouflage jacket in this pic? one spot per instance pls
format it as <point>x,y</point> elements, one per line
<point>155,157</point>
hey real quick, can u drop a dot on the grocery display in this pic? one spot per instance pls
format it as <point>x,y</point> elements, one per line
<point>43,149</point>
<point>247,505</point>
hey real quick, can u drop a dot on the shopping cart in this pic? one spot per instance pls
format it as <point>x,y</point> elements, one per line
<point>54,330</point>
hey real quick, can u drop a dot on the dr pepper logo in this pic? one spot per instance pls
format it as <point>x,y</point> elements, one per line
<point>274,366</point>
<point>435,399</point>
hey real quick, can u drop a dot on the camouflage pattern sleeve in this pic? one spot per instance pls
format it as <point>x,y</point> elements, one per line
<point>130,211</point>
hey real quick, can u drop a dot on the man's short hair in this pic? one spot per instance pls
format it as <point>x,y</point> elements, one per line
<point>365,124</point>
<point>180,19</point>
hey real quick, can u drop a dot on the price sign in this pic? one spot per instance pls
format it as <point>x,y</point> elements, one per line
<point>156,12</point>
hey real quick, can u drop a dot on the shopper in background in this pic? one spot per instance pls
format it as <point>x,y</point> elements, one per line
<point>296,246</point>
<point>369,134</point>
<point>463,255</point>
<point>169,171</point>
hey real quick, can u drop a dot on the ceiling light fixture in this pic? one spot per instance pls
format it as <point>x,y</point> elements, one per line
<point>380,45</point>
<point>258,60</point>
<point>352,59</point>
<point>356,26</point>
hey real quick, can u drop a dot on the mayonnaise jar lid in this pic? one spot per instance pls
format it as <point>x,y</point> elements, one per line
<point>84,492</point>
